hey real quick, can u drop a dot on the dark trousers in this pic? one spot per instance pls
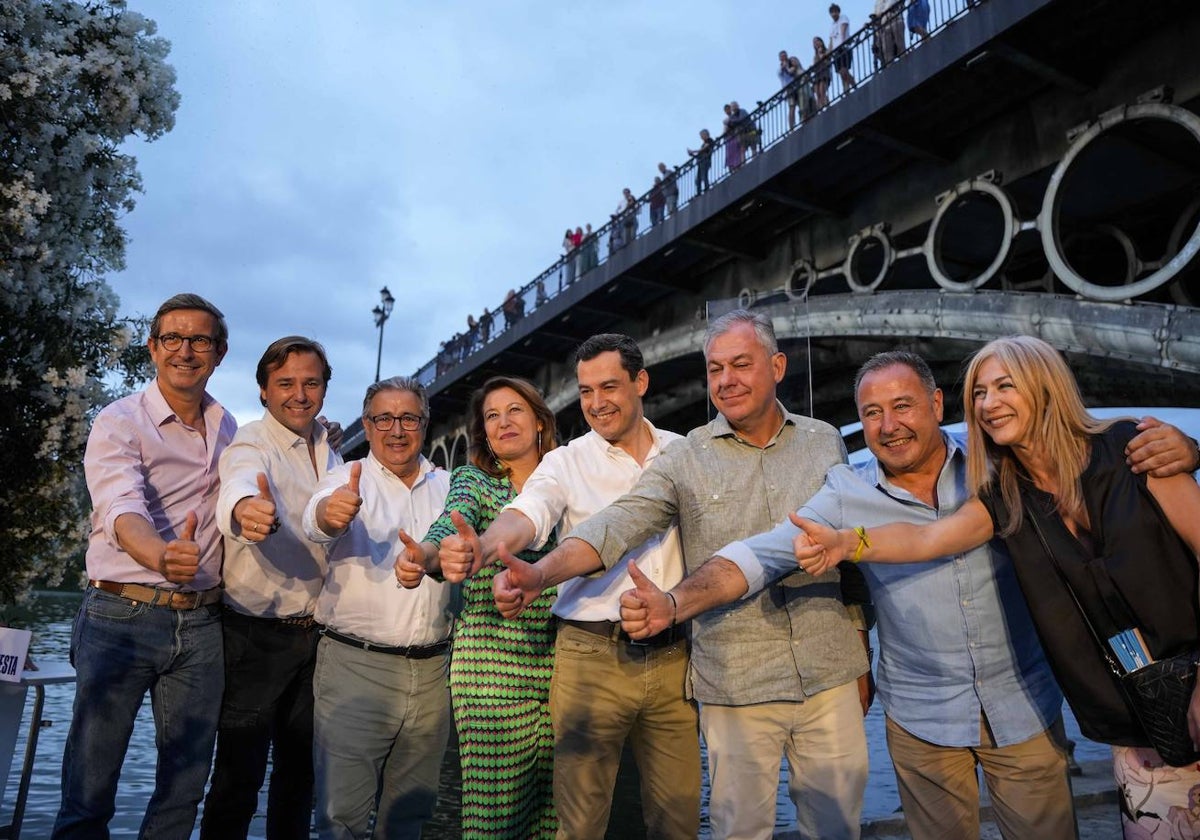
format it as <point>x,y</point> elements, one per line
<point>268,705</point>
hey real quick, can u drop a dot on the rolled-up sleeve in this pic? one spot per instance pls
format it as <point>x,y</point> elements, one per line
<point>542,501</point>
<point>240,464</point>
<point>115,472</point>
<point>767,557</point>
<point>334,479</point>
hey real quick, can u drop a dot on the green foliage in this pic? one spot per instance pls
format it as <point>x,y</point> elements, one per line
<point>76,80</point>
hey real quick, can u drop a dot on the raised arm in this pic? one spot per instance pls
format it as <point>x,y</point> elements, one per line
<point>519,583</point>
<point>512,528</point>
<point>820,548</point>
<point>646,610</point>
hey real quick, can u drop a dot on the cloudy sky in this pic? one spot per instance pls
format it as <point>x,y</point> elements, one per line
<point>322,151</point>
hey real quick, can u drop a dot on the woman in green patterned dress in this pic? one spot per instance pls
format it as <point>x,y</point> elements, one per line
<point>500,669</point>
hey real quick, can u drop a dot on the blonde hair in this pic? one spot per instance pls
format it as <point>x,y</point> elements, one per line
<point>1060,428</point>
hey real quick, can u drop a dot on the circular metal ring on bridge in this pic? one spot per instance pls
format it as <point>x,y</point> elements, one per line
<point>1048,221</point>
<point>1133,263</point>
<point>875,237</point>
<point>1188,220</point>
<point>932,248</point>
<point>802,278</point>
<point>746,298</point>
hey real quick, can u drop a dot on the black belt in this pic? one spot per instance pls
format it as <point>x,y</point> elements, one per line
<point>411,652</point>
<point>612,631</point>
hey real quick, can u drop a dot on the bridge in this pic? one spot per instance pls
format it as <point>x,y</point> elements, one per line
<point>1032,167</point>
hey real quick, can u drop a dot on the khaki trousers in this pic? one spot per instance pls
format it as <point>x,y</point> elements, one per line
<point>826,750</point>
<point>602,693</point>
<point>939,788</point>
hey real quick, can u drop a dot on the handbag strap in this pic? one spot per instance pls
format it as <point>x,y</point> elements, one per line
<point>1104,651</point>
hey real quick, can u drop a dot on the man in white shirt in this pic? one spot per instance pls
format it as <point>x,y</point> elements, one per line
<point>606,687</point>
<point>382,704</point>
<point>272,576</point>
<point>839,33</point>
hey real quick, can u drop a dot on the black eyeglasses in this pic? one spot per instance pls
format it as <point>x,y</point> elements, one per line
<point>199,343</point>
<point>408,422</point>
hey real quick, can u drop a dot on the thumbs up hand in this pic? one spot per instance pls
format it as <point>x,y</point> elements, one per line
<point>255,515</point>
<point>337,511</point>
<point>517,586</point>
<point>461,554</point>
<point>817,547</point>
<point>181,556</point>
<point>645,610</point>
<point>410,562</point>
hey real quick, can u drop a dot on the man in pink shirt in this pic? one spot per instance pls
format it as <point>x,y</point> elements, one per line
<point>150,619</point>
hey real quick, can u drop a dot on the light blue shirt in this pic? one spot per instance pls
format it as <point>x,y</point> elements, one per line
<point>955,635</point>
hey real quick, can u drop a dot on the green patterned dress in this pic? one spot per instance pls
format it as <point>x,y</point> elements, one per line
<point>500,685</point>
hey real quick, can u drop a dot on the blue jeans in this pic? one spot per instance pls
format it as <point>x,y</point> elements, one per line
<point>380,728</point>
<point>120,651</point>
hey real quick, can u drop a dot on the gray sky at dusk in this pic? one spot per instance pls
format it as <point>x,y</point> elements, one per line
<point>322,151</point>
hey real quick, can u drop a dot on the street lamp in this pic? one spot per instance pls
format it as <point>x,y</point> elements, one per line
<point>381,312</point>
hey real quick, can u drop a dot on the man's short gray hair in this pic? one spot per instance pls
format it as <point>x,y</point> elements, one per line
<point>398,383</point>
<point>763,328</point>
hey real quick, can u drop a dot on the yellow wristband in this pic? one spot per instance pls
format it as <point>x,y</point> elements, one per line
<point>863,542</point>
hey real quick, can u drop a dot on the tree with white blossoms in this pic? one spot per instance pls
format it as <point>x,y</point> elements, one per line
<point>76,80</point>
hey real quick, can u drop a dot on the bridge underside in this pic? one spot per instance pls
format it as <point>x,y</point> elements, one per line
<point>1137,355</point>
<point>1033,168</point>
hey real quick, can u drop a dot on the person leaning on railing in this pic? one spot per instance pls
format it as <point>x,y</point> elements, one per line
<point>703,156</point>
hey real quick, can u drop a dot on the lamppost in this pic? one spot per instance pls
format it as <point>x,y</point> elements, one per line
<point>381,312</point>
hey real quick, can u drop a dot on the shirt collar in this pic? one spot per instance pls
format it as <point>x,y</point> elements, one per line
<point>285,437</point>
<point>613,449</point>
<point>872,471</point>
<point>424,468</point>
<point>160,410</point>
<point>721,427</point>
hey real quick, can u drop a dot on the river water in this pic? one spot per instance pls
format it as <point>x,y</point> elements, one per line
<point>50,617</point>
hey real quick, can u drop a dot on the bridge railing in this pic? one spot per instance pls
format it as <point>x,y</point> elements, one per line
<point>767,124</point>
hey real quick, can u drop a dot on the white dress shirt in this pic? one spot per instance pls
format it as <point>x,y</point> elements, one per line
<point>281,576</point>
<point>572,483</point>
<point>360,597</point>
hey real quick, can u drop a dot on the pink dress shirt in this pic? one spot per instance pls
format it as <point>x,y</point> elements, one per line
<point>142,459</point>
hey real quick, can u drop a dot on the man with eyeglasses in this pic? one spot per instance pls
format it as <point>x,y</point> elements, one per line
<point>151,614</point>
<point>273,575</point>
<point>382,703</point>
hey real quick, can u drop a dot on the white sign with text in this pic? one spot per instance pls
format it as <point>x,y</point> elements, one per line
<point>14,644</point>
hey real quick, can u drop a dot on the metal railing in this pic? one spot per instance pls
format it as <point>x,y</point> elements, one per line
<point>869,50</point>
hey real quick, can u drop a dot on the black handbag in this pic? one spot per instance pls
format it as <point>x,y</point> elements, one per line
<point>1159,693</point>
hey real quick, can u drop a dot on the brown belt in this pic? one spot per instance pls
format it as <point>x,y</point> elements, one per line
<point>612,631</point>
<point>158,597</point>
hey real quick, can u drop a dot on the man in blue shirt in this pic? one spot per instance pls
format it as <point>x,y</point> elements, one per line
<point>961,674</point>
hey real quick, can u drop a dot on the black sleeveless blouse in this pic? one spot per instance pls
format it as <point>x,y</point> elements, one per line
<point>1136,573</point>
